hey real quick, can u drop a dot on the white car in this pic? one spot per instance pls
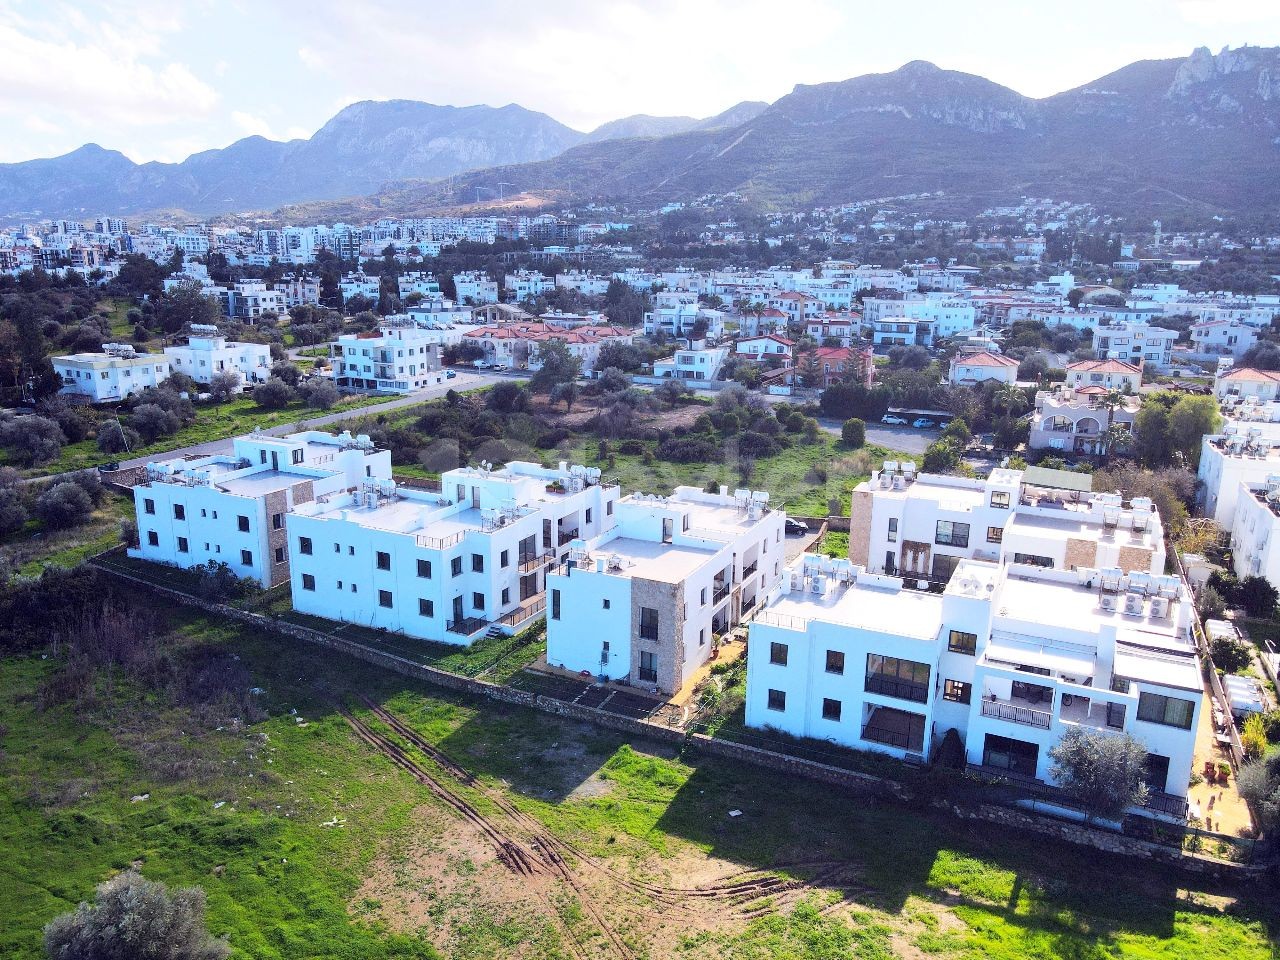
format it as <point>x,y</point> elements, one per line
<point>891,418</point>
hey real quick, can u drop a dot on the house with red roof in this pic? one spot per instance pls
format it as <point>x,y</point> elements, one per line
<point>769,346</point>
<point>1248,383</point>
<point>968,369</point>
<point>838,364</point>
<point>516,345</point>
<point>1108,374</point>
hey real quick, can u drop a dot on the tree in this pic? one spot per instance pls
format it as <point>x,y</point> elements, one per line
<point>507,396</point>
<point>1263,355</point>
<point>1151,435</point>
<point>942,456</point>
<point>624,356</point>
<point>612,380</point>
<point>559,365</point>
<point>223,385</point>
<point>1210,604</point>
<point>114,437</point>
<point>1074,297</point>
<point>132,918</point>
<point>1034,367</point>
<point>853,433</point>
<point>63,505</point>
<point>1103,772</point>
<point>319,394</point>
<point>1190,420</point>
<point>1010,399</point>
<point>1258,597</point>
<point>564,392</point>
<point>671,392</point>
<point>275,394</point>
<point>185,304</point>
<point>811,370</point>
<point>13,514</point>
<point>909,358</point>
<point>958,431</point>
<point>1230,654</point>
<point>287,371</point>
<point>153,422</point>
<point>32,440</point>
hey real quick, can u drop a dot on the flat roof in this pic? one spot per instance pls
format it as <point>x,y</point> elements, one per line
<point>1058,479</point>
<point>649,560</point>
<point>257,484</point>
<point>1076,608</point>
<point>895,612</point>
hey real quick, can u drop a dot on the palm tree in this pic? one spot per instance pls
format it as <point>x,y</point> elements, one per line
<point>1110,401</point>
<point>1011,398</point>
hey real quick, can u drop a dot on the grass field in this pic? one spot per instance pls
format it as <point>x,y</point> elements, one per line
<point>310,844</point>
<point>34,547</point>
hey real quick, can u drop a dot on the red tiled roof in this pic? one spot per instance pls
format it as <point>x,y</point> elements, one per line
<point>769,336</point>
<point>1102,366</point>
<point>984,359</point>
<point>1252,375</point>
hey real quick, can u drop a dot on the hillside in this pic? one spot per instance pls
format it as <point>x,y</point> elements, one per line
<point>1198,134</point>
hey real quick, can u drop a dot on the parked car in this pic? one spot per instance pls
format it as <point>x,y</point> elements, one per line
<point>450,374</point>
<point>923,422</point>
<point>892,418</point>
<point>796,526</point>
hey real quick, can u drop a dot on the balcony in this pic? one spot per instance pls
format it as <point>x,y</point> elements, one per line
<point>564,536</point>
<point>720,593</point>
<point>1167,803</point>
<point>895,687</point>
<point>529,564</point>
<point>467,626</point>
<point>750,568</point>
<point>1016,712</point>
<point>524,613</point>
<point>1101,715</point>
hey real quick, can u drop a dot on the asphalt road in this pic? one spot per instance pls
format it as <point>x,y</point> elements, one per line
<point>905,439</point>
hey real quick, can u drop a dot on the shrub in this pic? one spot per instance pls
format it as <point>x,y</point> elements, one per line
<point>319,394</point>
<point>1229,653</point>
<point>63,505</point>
<point>853,433</point>
<point>275,394</point>
<point>114,437</point>
<point>689,449</point>
<point>134,917</point>
<point>153,422</point>
<point>1253,737</point>
<point>13,513</point>
<point>632,448</point>
<point>1210,604</point>
<point>32,440</point>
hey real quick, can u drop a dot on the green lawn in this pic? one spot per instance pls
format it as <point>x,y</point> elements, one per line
<point>213,422</point>
<point>34,547</point>
<point>285,819</point>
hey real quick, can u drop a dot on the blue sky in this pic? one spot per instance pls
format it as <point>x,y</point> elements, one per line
<point>162,80</point>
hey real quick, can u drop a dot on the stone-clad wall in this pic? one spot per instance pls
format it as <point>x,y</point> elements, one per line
<point>860,527</point>
<point>668,649</point>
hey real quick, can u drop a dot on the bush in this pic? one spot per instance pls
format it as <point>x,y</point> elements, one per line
<point>63,505</point>
<point>689,450</point>
<point>853,433</point>
<point>1210,604</point>
<point>13,513</point>
<point>32,440</point>
<point>114,437</point>
<point>1253,736</point>
<point>1258,597</point>
<point>1229,654</point>
<point>153,422</point>
<point>319,394</point>
<point>275,394</point>
<point>632,448</point>
<point>134,917</point>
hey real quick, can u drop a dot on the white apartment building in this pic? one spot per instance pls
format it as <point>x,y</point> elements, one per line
<point>941,315</point>
<point>421,283</point>
<point>251,299</point>
<point>585,283</point>
<point>116,373</point>
<point>527,285</point>
<point>1243,455</point>
<point>231,508</point>
<point>679,320</point>
<point>700,365</point>
<point>208,352</point>
<point>475,288</point>
<point>360,285</point>
<point>899,332</point>
<point>1010,656</point>
<point>399,357</point>
<point>648,599</point>
<point>1255,546</point>
<point>974,368</point>
<point>923,525</point>
<point>1135,343</point>
<point>1223,338</point>
<point>451,566</point>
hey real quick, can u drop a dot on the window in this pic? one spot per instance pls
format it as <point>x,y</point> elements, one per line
<point>179,512</point>
<point>952,534</point>
<point>279,554</point>
<point>1016,756</point>
<point>778,654</point>
<point>1000,499</point>
<point>337,548</point>
<point>153,538</point>
<point>384,560</point>
<point>1169,711</point>
<point>893,529</point>
<point>308,582</point>
<point>246,558</point>
<point>648,623</point>
<point>477,563</point>
<point>608,509</point>
<point>588,515</point>
<point>961,642</point>
<point>296,456</point>
<point>604,604</point>
<point>777,700</point>
<point>384,598</point>
<point>149,506</point>
<point>1033,560</point>
<point>277,521</point>
<point>182,545</point>
<point>351,550</point>
<point>704,596</point>
<point>242,523</point>
<point>555,604</point>
<point>426,608</point>
<point>455,566</point>
<point>892,677</point>
<point>956,691</point>
<point>424,569</point>
<point>506,595</point>
<point>504,558</point>
<point>835,662</point>
<point>702,637</point>
<point>304,545</point>
<point>830,709</point>
<point>477,601</point>
<point>648,666</point>
<point>995,534</point>
<point>1156,774</point>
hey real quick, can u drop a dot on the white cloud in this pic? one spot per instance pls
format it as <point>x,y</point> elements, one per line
<point>251,125</point>
<point>40,125</point>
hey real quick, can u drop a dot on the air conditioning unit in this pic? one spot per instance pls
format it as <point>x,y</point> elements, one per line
<point>1133,604</point>
<point>1109,602</point>
<point>1160,607</point>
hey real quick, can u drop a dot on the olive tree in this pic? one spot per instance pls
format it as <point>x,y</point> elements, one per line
<point>33,439</point>
<point>1103,772</point>
<point>275,394</point>
<point>64,505</point>
<point>223,385</point>
<point>133,918</point>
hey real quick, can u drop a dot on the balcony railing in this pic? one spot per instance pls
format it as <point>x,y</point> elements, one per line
<point>720,593</point>
<point>565,536</point>
<point>1016,713</point>
<point>751,568</point>
<point>893,687</point>
<point>648,676</point>
<point>439,543</point>
<point>467,626</point>
<point>525,613</point>
<point>1167,803</point>
<point>528,564</point>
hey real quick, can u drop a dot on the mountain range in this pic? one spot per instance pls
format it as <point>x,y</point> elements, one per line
<point>1199,134</point>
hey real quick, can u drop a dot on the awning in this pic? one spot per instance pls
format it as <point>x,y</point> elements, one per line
<point>1057,659</point>
<point>1057,479</point>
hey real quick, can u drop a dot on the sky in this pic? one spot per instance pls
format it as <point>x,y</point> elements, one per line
<point>163,79</point>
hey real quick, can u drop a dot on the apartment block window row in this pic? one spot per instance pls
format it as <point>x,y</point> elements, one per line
<point>958,641</point>
<point>1169,711</point>
<point>894,677</point>
<point>950,533</point>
